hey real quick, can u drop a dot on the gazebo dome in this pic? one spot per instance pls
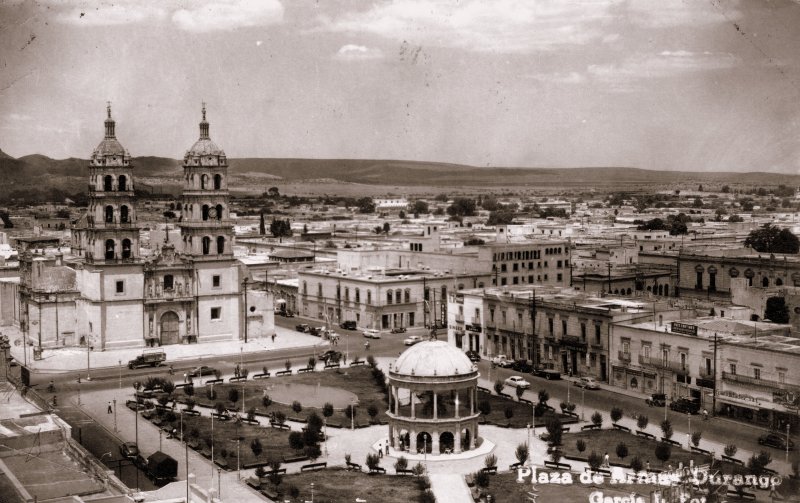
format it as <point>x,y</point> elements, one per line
<point>433,358</point>
<point>204,146</point>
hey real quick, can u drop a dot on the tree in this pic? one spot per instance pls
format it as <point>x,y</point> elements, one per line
<point>519,390</point>
<point>251,414</point>
<point>420,206</point>
<point>522,453</point>
<point>730,450</point>
<point>401,464</point>
<point>484,407</point>
<point>490,461</point>
<point>580,444</point>
<point>666,429</point>
<point>622,450</point>
<point>350,411</point>
<point>735,219</point>
<point>777,311</point>
<point>402,214</point>
<point>372,411</point>
<point>636,464</point>
<point>190,403</point>
<point>771,239</point>
<point>266,401</point>
<point>256,447</point>
<point>365,205</point>
<point>288,364</point>
<point>500,217</point>
<point>642,421</point>
<point>373,461</point>
<point>418,469</point>
<point>386,227</point>
<point>297,407</point>
<point>663,451</point>
<point>327,410</point>
<point>594,460</point>
<point>462,207</point>
<point>296,441</point>
<point>616,414</point>
<point>696,436</point>
<point>481,478</point>
<point>498,387</point>
<point>554,430</point>
<point>544,396</point>
<point>233,395</point>
<point>273,192</point>
<point>312,451</point>
<point>262,228</point>
<point>758,462</point>
<point>725,189</point>
<point>698,203</point>
<point>312,362</point>
<point>597,419</point>
<point>280,228</point>
<point>274,476</point>
<point>280,417</point>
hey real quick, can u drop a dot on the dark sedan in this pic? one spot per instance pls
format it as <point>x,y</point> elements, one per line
<point>129,450</point>
<point>775,440</point>
<point>203,370</point>
<point>685,405</point>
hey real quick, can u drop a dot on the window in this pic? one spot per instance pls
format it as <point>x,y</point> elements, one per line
<point>733,369</point>
<point>120,287</point>
<point>550,325</point>
<point>389,297</point>
<point>168,282</point>
<point>220,245</point>
<point>123,214</point>
<point>782,377</point>
<point>559,264</point>
<point>563,327</point>
<point>358,295</point>
<point>216,313</point>
<point>626,347</point>
<point>305,288</point>
<point>347,294</point>
<point>515,267</point>
<point>109,214</point>
<point>369,296</point>
<point>215,282</point>
<point>107,183</point>
<point>110,253</point>
<point>217,182</point>
<point>757,373</point>
<point>502,268</point>
<point>126,248</point>
<point>559,277</point>
<point>319,289</point>
<point>491,314</point>
<point>503,315</point>
<point>664,356</point>
<point>683,361</point>
<point>646,352</point>
<point>597,333</point>
<point>583,331</point>
<point>407,296</point>
<point>206,245</point>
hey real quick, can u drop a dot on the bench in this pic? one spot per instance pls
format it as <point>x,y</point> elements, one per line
<point>298,419</point>
<point>182,385</point>
<point>357,363</point>
<point>193,444</point>
<point>254,482</point>
<point>484,390</point>
<point>269,493</point>
<point>332,365</point>
<point>294,459</point>
<point>701,451</point>
<point>261,376</point>
<point>403,471</point>
<point>251,422</point>
<point>489,469</point>
<point>565,429</point>
<point>221,462</point>
<point>599,471</point>
<point>525,400</point>
<point>513,466</point>
<point>732,460</point>
<point>645,434</point>
<point>622,428</point>
<point>220,417</point>
<point>283,372</point>
<point>279,426</point>
<point>334,425</point>
<point>590,427</point>
<point>304,370</point>
<point>570,414</point>
<point>377,469</point>
<point>215,381</point>
<point>192,412</point>
<point>206,452</point>
<point>743,495</point>
<point>237,379</point>
<point>353,466</point>
<point>313,466</point>
<point>558,466</point>
<point>670,441</point>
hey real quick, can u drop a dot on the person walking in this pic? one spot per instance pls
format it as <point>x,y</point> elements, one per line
<point>273,337</point>
<point>387,448</point>
<point>606,460</point>
<point>110,409</point>
<point>380,451</point>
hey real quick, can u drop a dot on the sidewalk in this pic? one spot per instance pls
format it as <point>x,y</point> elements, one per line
<point>75,358</point>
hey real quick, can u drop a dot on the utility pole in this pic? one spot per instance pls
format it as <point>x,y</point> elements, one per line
<point>533,327</point>
<point>245,309</point>
<point>424,303</point>
<point>714,390</point>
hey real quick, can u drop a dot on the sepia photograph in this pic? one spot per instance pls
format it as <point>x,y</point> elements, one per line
<point>399,251</point>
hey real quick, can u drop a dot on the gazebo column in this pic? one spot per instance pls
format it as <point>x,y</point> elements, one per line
<point>396,401</point>
<point>458,392</point>
<point>435,407</point>
<point>412,439</point>
<point>391,435</point>
<point>457,441</point>
<point>435,442</point>
<point>473,439</point>
<point>411,398</point>
<point>472,392</point>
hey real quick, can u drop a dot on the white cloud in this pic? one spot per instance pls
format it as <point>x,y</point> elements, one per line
<point>103,14</point>
<point>229,14</point>
<point>352,52</point>
<point>19,117</point>
<point>560,78</point>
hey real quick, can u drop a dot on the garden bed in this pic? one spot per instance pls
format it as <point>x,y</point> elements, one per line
<point>521,411</point>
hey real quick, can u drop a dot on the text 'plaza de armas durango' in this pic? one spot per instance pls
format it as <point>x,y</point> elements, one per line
<point>587,292</point>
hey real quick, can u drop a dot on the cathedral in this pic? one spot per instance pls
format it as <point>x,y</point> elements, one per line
<point>108,296</point>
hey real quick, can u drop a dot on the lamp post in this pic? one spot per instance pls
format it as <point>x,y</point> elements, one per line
<point>787,442</point>
<point>312,492</point>
<point>119,364</point>
<point>88,367</point>
<point>583,403</point>
<point>115,415</point>
<point>241,368</point>
<point>219,481</point>
<point>689,435</point>
<point>244,282</point>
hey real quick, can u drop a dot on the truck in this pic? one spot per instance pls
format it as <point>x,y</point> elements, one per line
<point>161,468</point>
<point>149,358</point>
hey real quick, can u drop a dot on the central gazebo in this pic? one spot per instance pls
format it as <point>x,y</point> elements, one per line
<point>432,398</point>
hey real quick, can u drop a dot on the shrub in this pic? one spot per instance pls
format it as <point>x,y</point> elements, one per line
<point>312,362</point>
<point>730,450</point>
<point>555,455</point>
<point>220,408</point>
<point>571,407</point>
<point>260,472</point>
<point>266,401</point>
<point>666,429</point>
<point>168,386</point>
<point>314,422</point>
<point>509,413</point>
<point>188,390</point>
<point>663,451</point>
<point>636,464</point>
<point>217,373</point>
<point>418,469</point>
<point>616,414</point>
<point>347,457</point>
<point>280,417</point>
<point>758,462</point>
<point>312,451</point>
<point>163,400</point>
<point>498,386</point>
<point>519,390</point>
<point>544,396</point>
<point>350,411</point>
<point>595,460</point>
<point>372,410</point>
<point>563,406</point>
<point>373,461</point>
<point>696,436</point>
<point>296,441</point>
<point>481,478</point>
<point>190,403</point>
<point>194,433</point>
<point>553,426</point>
<point>490,461</point>
<point>256,447</point>
<point>288,364</point>
<point>401,463</point>
<point>296,407</point>
<point>294,492</point>
<point>580,444</point>
<point>484,407</point>
<point>264,370</point>
<point>622,450</point>
<point>244,372</point>
<point>327,409</point>
<point>642,421</point>
<point>597,419</point>
<point>233,395</point>
<point>522,453</point>
<point>371,361</point>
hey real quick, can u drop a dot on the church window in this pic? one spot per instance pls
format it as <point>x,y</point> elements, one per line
<point>215,281</point>
<point>123,214</point>
<point>168,282</point>
<point>217,182</point>
<point>109,214</point>
<point>219,212</point>
<point>120,287</point>
<point>205,212</point>
<point>126,248</point>
<point>216,313</point>
<point>204,182</point>
<point>220,244</point>
<point>122,183</point>
<point>108,183</point>
<point>206,245</point>
<point>110,249</point>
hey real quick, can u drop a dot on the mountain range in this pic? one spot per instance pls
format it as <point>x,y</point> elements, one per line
<point>39,174</point>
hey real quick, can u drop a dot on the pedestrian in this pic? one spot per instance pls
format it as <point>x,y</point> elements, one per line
<point>380,451</point>
<point>273,337</point>
<point>606,461</point>
<point>647,465</point>
<point>387,448</point>
<point>110,409</point>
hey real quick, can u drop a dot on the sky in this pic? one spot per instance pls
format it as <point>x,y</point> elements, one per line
<point>693,85</point>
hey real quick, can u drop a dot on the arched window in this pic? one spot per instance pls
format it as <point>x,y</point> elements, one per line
<point>168,282</point>
<point>205,212</point>
<point>358,295</point>
<point>110,249</point>
<point>778,282</point>
<point>407,296</point>
<point>220,245</point>
<point>122,183</point>
<point>217,182</point>
<point>369,296</point>
<point>108,183</point>
<point>765,282</point>
<point>398,296</point>
<point>444,294</point>
<point>305,288</point>
<point>219,212</point>
<point>123,214</point>
<point>126,248</point>
<point>389,297</point>
<point>109,214</point>
<point>206,245</point>
<point>204,182</point>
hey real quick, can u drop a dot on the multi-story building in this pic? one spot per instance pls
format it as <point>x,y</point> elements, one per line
<point>540,261</point>
<point>557,328</point>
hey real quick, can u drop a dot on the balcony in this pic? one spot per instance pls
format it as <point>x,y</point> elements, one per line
<point>663,365</point>
<point>705,373</point>
<point>761,383</point>
<point>624,357</point>
<point>459,318</point>
<point>476,321</point>
<point>574,342</point>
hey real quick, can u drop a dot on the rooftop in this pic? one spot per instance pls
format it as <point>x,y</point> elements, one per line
<point>433,358</point>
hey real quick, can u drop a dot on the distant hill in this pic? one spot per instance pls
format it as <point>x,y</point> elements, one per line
<point>39,174</point>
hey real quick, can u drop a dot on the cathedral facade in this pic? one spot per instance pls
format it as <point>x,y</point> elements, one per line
<point>186,291</point>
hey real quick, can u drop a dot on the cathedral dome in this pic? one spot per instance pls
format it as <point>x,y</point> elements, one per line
<point>433,358</point>
<point>204,146</point>
<point>110,146</point>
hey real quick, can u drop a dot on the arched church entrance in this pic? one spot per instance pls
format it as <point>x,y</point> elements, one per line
<point>169,328</point>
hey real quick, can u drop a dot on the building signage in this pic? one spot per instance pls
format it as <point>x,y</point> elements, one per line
<point>683,328</point>
<point>786,398</point>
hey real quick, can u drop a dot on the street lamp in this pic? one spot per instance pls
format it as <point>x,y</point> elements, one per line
<point>583,402</point>
<point>115,415</point>
<point>119,363</point>
<point>689,435</point>
<point>219,481</point>
<point>312,492</point>
<point>88,367</point>
<point>244,282</point>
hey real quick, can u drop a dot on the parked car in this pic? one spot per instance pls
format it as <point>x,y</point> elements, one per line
<point>330,356</point>
<point>549,374</point>
<point>148,358</point>
<point>161,468</point>
<point>411,340</point>
<point>202,370</point>
<point>398,330</point>
<point>522,365</point>
<point>128,450</point>
<point>517,382</point>
<point>502,361</point>
<point>302,327</point>
<point>371,333</point>
<point>288,314</point>
<point>690,405</point>
<point>348,325</point>
<point>775,440</point>
<point>656,400</point>
<point>587,383</point>
<point>473,356</point>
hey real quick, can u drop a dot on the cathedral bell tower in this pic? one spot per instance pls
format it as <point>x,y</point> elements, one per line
<point>205,225</point>
<point>112,235</point>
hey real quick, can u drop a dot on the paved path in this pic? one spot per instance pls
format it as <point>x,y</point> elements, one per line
<point>450,488</point>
